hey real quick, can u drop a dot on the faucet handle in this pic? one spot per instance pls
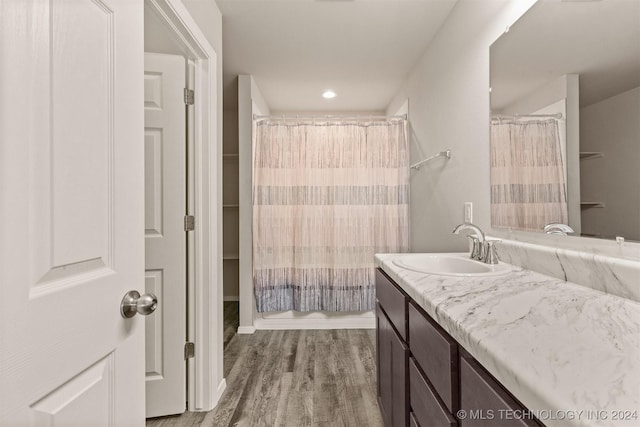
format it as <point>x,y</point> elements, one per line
<point>475,251</point>
<point>490,252</point>
<point>473,245</point>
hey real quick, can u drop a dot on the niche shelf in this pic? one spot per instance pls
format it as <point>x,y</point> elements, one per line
<point>586,155</point>
<point>230,206</point>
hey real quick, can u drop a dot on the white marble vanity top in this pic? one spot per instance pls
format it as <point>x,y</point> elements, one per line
<point>570,354</point>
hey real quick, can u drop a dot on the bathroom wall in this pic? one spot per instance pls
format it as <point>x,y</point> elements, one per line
<point>156,38</point>
<point>612,127</point>
<point>555,90</point>
<point>209,20</point>
<point>448,94</point>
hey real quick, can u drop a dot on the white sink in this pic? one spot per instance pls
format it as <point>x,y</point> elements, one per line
<point>449,264</point>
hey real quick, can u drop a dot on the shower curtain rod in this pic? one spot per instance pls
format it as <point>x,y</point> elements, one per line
<point>524,116</point>
<point>326,117</point>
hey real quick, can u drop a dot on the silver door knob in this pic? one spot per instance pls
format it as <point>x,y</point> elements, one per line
<point>133,303</point>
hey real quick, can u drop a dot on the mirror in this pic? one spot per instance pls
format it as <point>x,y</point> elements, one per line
<point>565,119</point>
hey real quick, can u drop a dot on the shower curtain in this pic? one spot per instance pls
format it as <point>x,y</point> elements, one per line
<point>528,188</point>
<point>326,197</point>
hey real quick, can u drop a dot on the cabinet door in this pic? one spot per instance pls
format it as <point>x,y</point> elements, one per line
<point>393,358</point>
<point>393,302</point>
<point>437,354</point>
<point>399,379</point>
<point>426,406</point>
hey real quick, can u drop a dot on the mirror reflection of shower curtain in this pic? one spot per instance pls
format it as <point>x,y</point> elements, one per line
<point>528,188</point>
<point>326,197</point>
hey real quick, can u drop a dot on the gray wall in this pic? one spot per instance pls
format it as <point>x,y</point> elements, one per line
<point>612,127</point>
<point>448,94</point>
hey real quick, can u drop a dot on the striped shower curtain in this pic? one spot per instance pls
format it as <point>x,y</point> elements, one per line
<point>528,188</point>
<point>326,197</point>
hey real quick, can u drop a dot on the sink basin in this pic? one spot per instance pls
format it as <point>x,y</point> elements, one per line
<point>449,264</point>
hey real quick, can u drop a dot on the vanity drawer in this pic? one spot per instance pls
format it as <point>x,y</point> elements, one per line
<point>484,396</point>
<point>426,407</point>
<point>437,354</point>
<point>393,302</point>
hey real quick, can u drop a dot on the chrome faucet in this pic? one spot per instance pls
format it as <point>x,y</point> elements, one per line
<point>481,249</point>
<point>478,239</point>
<point>557,228</point>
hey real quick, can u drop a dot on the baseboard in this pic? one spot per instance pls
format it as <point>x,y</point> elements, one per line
<point>221,388</point>
<point>215,398</point>
<point>246,329</point>
<point>317,321</point>
<point>231,298</point>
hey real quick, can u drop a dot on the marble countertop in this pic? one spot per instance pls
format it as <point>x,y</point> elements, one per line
<point>570,354</point>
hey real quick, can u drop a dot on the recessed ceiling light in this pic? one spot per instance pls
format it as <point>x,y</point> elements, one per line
<point>328,94</point>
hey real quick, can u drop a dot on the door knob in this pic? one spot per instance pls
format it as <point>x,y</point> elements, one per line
<point>133,303</point>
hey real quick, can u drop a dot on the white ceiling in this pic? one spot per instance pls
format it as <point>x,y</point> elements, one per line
<point>296,49</point>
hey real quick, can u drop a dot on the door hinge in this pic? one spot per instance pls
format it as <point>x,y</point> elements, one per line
<point>189,223</point>
<point>188,96</point>
<point>189,350</point>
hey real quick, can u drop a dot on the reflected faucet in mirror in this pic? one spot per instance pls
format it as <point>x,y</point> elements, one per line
<point>557,228</point>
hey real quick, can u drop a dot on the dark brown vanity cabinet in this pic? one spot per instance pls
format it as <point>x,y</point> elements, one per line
<point>392,353</point>
<point>425,379</point>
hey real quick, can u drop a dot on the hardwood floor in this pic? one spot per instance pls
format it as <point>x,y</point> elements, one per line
<point>231,320</point>
<point>294,378</point>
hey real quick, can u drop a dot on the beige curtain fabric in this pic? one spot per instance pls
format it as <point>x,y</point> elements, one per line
<point>326,198</point>
<point>528,188</point>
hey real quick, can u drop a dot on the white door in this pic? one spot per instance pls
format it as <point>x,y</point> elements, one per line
<point>165,237</point>
<point>71,212</point>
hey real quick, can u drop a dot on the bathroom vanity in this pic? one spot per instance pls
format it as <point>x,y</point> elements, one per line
<point>516,348</point>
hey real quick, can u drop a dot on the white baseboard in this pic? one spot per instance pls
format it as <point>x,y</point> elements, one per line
<point>221,388</point>
<point>231,298</point>
<point>214,399</point>
<point>246,329</point>
<point>290,320</point>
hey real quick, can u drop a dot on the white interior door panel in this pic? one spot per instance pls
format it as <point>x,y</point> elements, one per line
<point>165,237</point>
<point>71,212</point>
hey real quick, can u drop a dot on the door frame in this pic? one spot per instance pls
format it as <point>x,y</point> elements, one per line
<point>205,376</point>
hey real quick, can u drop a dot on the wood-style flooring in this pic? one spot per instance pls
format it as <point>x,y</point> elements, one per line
<point>294,378</point>
<point>231,320</point>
